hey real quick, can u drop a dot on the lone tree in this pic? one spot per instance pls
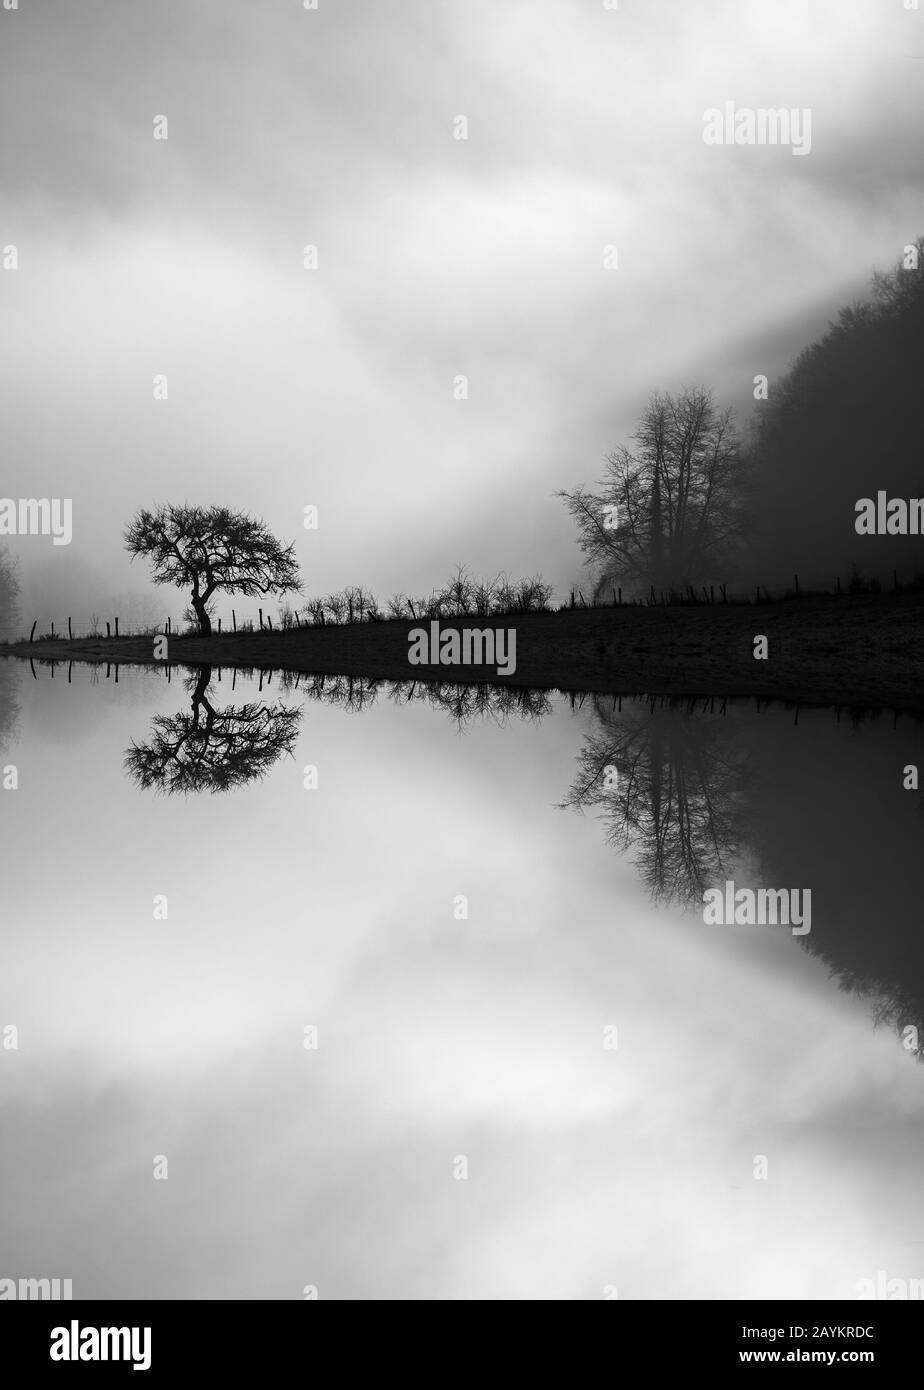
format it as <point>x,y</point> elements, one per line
<point>212,550</point>
<point>668,512</point>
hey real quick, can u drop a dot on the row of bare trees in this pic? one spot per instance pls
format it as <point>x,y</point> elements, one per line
<point>464,596</point>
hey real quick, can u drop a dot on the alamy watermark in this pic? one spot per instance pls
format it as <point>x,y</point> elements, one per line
<point>889,516</point>
<point>76,1343</point>
<point>30,1289</point>
<point>747,125</point>
<point>760,907</point>
<point>468,646</point>
<point>37,516</point>
<point>898,1290</point>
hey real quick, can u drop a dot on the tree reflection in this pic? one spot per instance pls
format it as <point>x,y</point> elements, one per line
<point>211,749</point>
<point>671,785</point>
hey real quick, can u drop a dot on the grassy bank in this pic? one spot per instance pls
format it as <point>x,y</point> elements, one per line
<point>858,649</point>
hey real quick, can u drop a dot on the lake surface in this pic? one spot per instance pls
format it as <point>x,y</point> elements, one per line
<point>530,1070</point>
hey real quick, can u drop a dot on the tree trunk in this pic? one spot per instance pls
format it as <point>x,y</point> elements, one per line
<point>202,615</point>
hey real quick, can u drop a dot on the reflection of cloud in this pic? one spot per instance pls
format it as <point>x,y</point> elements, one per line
<point>586,1168</point>
<point>436,1038</point>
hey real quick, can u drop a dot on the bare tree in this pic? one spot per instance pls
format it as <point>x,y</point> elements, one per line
<point>668,512</point>
<point>458,596</point>
<point>212,550</point>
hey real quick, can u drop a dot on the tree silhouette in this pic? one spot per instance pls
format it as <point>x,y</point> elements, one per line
<point>671,786</point>
<point>668,513</point>
<point>212,550</point>
<point>212,750</point>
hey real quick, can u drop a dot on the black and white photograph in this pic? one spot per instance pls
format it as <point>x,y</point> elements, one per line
<point>462,666</point>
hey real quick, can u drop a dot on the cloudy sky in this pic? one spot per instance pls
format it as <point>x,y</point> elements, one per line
<point>436,256</point>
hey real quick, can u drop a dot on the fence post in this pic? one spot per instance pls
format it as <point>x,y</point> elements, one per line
<point>32,633</point>
<point>270,621</point>
<point>117,628</point>
<point>70,634</point>
<point>234,620</point>
<point>796,578</point>
<point>260,611</point>
<point>52,629</point>
<point>219,633</point>
<point>108,634</point>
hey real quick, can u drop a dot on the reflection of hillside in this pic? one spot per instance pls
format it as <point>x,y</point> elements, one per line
<point>829,811</point>
<point>816,804</point>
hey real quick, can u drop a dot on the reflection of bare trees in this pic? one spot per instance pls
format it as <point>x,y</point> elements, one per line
<point>670,783</point>
<point>464,704</point>
<point>212,749</point>
<point>215,750</point>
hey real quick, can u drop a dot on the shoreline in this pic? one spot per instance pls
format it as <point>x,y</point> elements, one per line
<point>864,650</point>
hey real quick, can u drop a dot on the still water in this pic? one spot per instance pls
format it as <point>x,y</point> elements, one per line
<point>386,993</point>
